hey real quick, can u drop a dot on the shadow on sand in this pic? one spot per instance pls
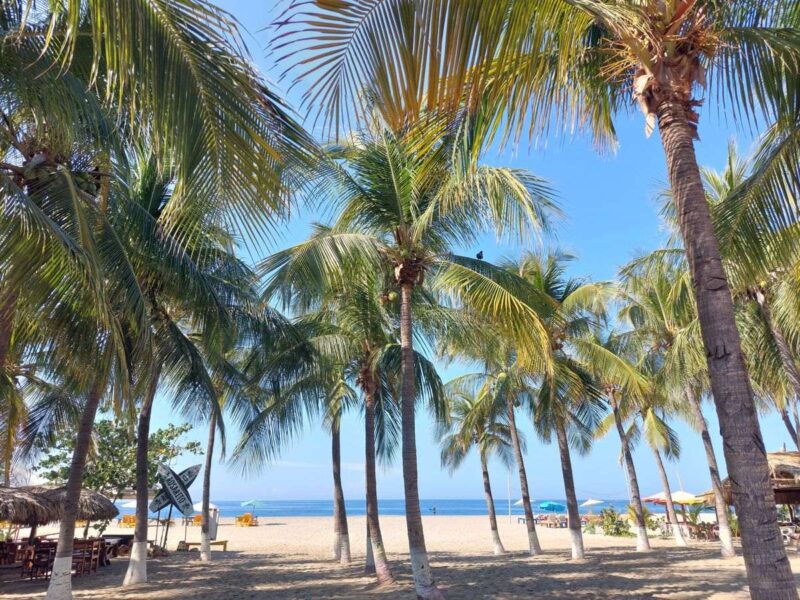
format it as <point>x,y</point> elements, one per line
<point>675,574</point>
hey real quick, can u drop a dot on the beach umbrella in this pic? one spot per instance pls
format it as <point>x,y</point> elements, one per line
<point>92,506</point>
<point>253,504</point>
<point>592,502</point>
<point>683,498</point>
<point>552,507</point>
<point>23,507</point>
<point>198,506</point>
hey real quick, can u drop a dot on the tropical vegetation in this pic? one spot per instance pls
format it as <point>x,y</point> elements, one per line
<point>148,166</point>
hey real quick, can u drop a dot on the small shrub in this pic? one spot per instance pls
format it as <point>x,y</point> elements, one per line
<point>650,522</point>
<point>611,524</point>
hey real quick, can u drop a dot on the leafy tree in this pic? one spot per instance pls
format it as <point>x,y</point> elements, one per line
<point>111,465</point>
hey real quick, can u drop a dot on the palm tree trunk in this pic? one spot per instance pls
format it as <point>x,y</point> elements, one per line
<point>423,576</point>
<point>787,360</point>
<point>725,535</point>
<point>369,559</point>
<point>673,517</point>
<point>60,587</point>
<point>533,540</point>
<point>642,543</point>
<point>768,571</point>
<point>380,565</point>
<point>793,402</point>
<point>8,301</point>
<point>341,542</point>
<point>497,545</point>
<point>787,421</point>
<point>575,533</point>
<point>205,515</point>
<point>137,566</point>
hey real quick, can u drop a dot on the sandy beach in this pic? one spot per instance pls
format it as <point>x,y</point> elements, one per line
<point>290,558</point>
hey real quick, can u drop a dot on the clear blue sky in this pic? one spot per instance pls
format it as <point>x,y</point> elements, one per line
<point>611,216</point>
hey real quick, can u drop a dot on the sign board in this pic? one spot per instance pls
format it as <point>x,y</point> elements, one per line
<point>162,499</point>
<point>175,490</point>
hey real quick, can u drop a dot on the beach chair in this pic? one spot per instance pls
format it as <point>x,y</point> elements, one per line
<point>127,521</point>
<point>246,520</point>
<point>197,520</point>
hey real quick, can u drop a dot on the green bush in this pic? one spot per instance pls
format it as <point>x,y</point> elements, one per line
<point>612,525</point>
<point>650,522</point>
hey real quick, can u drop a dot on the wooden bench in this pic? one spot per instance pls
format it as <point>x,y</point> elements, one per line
<point>223,543</point>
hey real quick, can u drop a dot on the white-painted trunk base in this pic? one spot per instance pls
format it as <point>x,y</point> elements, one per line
<point>60,587</point>
<point>497,544</point>
<point>205,547</point>
<point>576,539</point>
<point>679,539</point>
<point>344,549</point>
<point>423,577</point>
<point>533,543</point>
<point>726,541</point>
<point>337,547</point>
<point>642,543</point>
<point>137,567</point>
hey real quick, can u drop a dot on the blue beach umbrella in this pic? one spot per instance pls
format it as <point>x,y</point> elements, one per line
<point>253,504</point>
<point>551,507</point>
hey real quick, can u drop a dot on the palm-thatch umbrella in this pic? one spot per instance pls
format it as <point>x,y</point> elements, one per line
<point>23,507</point>
<point>92,506</point>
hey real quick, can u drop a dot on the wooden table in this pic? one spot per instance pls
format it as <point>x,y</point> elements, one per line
<point>223,543</point>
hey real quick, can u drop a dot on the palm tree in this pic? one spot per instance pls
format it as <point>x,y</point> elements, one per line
<point>662,438</point>
<point>657,302</point>
<point>567,402</point>
<point>209,90</point>
<point>353,328</point>
<point>341,538</point>
<point>765,277</point>
<point>191,281</point>
<point>574,61</point>
<point>476,422</point>
<point>622,403</point>
<point>509,385</point>
<point>403,204</point>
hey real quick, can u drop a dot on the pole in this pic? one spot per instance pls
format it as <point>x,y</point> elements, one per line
<point>166,527</point>
<point>158,520</point>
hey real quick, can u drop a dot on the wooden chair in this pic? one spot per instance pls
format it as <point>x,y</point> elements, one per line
<point>43,559</point>
<point>94,554</point>
<point>81,557</point>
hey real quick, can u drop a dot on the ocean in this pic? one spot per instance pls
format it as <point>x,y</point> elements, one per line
<point>323,508</point>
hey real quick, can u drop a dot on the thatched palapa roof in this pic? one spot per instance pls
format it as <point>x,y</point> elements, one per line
<point>92,506</point>
<point>22,507</point>
<point>784,475</point>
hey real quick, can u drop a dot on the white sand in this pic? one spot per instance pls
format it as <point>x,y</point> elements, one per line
<point>290,558</point>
